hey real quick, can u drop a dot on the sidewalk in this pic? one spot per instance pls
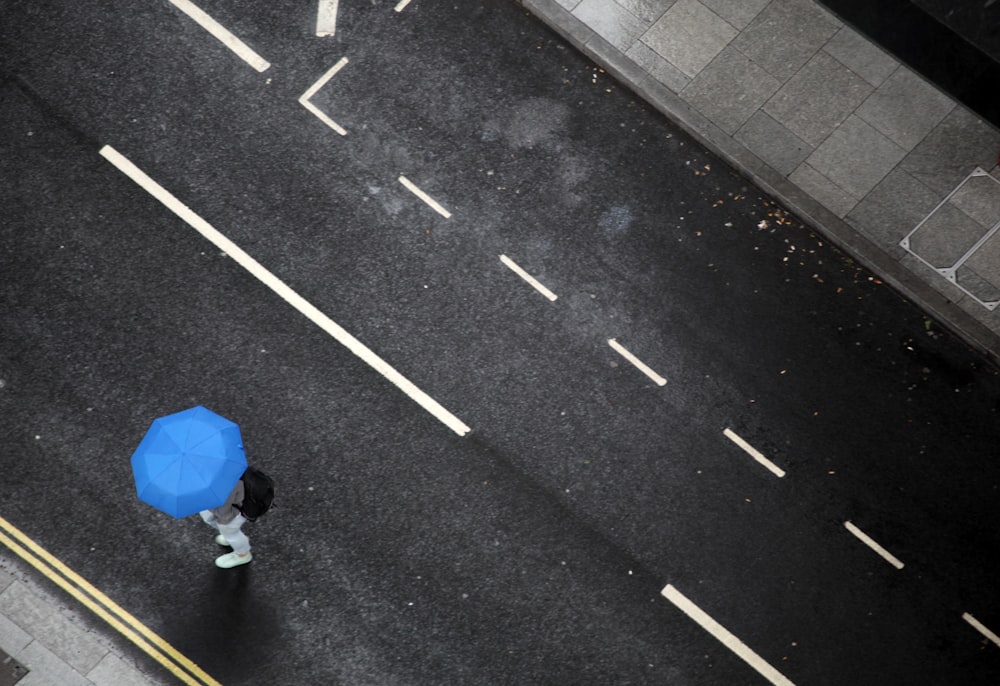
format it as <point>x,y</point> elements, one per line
<point>884,163</point>
<point>44,638</point>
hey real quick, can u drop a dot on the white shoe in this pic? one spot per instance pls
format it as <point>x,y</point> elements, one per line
<point>221,540</point>
<point>230,560</point>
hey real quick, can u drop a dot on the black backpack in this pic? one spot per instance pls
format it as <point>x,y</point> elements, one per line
<point>258,493</point>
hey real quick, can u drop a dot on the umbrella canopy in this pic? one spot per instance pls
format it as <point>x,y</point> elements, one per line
<point>188,461</point>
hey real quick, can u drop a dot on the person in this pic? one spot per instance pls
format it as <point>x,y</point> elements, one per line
<point>228,521</point>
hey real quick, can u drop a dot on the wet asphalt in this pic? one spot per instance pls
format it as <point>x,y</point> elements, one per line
<point>534,549</point>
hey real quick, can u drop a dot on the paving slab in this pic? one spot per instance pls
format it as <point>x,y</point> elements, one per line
<point>660,69</point>
<point>945,237</point>
<point>823,189</point>
<point>647,10</point>
<point>979,276</point>
<point>893,208</point>
<point>738,13</point>
<point>113,671</point>
<point>856,157</point>
<point>950,292</point>
<point>785,35</point>
<point>905,108</point>
<point>611,21</point>
<point>818,98</point>
<point>43,621</point>
<point>979,198</point>
<point>773,143</point>
<point>730,90</point>
<point>689,36</point>
<point>47,668</point>
<point>956,146</point>
<point>861,56</point>
<point>13,639</point>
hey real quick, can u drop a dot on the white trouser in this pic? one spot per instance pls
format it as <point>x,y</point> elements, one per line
<point>231,531</point>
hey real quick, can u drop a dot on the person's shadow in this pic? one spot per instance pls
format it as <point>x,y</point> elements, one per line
<point>232,628</point>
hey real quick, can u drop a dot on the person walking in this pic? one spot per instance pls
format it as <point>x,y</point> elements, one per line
<point>227,520</point>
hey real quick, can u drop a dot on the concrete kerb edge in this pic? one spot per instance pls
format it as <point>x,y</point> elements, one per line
<point>839,232</point>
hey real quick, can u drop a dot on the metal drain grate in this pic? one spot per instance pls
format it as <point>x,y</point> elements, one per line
<point>960,239</point>
<point>11,671</point>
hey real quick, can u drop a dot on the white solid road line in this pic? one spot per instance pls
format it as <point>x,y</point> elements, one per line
<point>326,18</point>
<point>423,196</point>
<point>401,4</point>
<point>659,380</point>
<point>725,637</point>
<point>980,628</point>
<point>220,32</point>
<point>868,541</point>
<point>282,289</point>
<point>304,98</point>
<point>754,453</point>
<point>529,278</point>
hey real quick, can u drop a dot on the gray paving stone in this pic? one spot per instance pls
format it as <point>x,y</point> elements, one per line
<point>569,4</point>
<point>936,281</point>
<point>730,89</point>
<point>47,669</point>
<point>657,67</point>
<point>856,157</point>
<point>835,199</point>
<point>43,621</point>
<point>979,197</point>
<point>773,143</point>
<point>611,21</point>
<point>952,150</point>
<point>980,276</point>
<point>893,209</point>
<point>946,236</point>
<point>739,13</point>
<point>13,638</point>
<point>983,315</point>
<point>905,108</point>
<point>861,56</point>
<point>818,98</point>
<point>689,36</point>
<point>785,35</point>
<point>113,671</point>
<point>647,10</point>
<point>6,579</point>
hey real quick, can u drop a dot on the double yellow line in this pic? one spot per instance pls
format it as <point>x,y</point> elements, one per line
<point>123,622</point>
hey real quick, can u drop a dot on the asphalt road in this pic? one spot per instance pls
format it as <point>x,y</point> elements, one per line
<point>534,548</point>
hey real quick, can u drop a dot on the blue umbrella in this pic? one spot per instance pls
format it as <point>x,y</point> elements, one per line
<point>188,462</point>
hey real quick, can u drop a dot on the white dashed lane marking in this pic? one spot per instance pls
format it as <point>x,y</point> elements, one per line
<point>528,277</point>
<point>275,284</point>
<point>657,379</point>
<point>223,34</point>
<point>868,541</point>
<point>754,453</point>
<point>434,204</point>
<point>980,628</point>
<point>725,636</point>
<point>326,18</point>
<point>401,4</point>
<point>304,98</point>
